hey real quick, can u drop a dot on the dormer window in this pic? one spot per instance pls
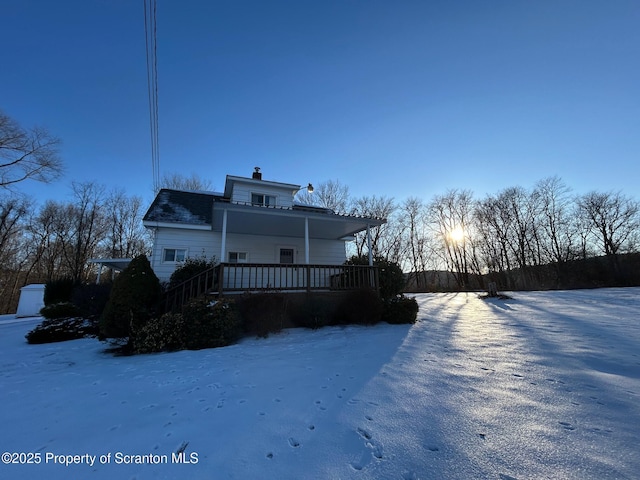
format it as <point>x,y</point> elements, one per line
<point>262,200</point>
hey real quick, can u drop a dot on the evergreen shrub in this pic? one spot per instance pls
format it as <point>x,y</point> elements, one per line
<point>164,334</point>
<point>58,291</point>
<point>263,313</point>
<point>61,329</point>
<point>360,307</point>
<point>390,275</point>
<point>400,310</point>
<point>59,310</point>
<point>91,299</point>
<point>133,300</point>
<point>210,324</point>
<point>313,312</point>
<point>189,269</point>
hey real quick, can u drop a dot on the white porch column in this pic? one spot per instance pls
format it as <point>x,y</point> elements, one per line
<point>223,243</point>
<point>306,240</point>
<point>369,245</point>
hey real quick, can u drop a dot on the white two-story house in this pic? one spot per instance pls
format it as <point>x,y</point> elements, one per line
<point>260,236</point>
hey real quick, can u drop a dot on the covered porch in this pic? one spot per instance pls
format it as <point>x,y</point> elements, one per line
<point>305,223</point>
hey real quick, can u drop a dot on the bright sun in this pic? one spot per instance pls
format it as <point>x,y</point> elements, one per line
<point>457,234</point>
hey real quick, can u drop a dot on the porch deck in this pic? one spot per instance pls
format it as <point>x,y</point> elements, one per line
<point>229,278</point>
<point>234,277</point>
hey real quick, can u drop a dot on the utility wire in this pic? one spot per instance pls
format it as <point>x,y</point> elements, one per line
<point>150,31</point>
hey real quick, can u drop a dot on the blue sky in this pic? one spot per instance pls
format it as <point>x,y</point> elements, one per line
<point>402,98</point>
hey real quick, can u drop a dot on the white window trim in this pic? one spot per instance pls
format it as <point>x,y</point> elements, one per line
<point>264,195</point>
<point>176,249</point>
<point>238,260</point>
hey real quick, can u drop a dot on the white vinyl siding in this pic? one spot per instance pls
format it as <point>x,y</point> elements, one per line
<point>259,249</point>
<point>266,249</point>
<point>242,193</point>
<point>197,243</point>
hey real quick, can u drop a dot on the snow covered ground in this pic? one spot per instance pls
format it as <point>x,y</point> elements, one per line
<point>546,385</point>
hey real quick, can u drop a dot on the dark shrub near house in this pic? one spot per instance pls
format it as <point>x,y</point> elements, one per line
<point>361,307</point>
<point>56,311</point>
<point>209,324</point>
<point>263,313</point>
<point>390,274</point>
<point>58,291</point>
<point>400,309</point>
<point>133,300</point>
<point>164,334</point>
<point>312,311</point>
<point>91,299</point>
<point>189,269</point>
<point>62,329</point>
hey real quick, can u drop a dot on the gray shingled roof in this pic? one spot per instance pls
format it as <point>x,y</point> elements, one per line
<point>177,206</point>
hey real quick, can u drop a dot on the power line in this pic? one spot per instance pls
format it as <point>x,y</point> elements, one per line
<point>150,31</point>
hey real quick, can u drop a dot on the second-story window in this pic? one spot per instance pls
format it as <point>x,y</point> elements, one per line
<point>263,200</point>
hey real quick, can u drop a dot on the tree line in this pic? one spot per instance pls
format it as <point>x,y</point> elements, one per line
<point>520,238</point>
<point>57,239</point>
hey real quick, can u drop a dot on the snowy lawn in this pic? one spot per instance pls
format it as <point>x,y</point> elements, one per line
<point>546,385</point>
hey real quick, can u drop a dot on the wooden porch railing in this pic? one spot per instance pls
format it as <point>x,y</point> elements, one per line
<point>250,277</point>
<point>200,284</point>
<point>235,277</point>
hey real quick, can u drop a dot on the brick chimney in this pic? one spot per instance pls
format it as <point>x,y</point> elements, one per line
<point>256,174</point>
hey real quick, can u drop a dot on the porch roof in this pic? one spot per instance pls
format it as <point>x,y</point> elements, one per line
<point>205,210</point>
<point>288,222</point>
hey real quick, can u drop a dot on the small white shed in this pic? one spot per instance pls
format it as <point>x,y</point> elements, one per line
<point>31,300</point>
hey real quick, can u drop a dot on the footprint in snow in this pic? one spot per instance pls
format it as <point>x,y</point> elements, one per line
<point>567,426</point>
<point>293,442</point>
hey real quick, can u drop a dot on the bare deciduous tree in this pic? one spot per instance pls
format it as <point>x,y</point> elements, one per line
<point>451,218</point>
<point>178,181</point>
<point>330,194</point>
<point>614,220</point>
<point>27,154</point>
<point>125,236</point>
<point>376,207</point>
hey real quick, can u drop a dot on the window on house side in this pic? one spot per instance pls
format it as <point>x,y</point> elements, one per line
<point>263,200</point>
<point>286,255</point>
<point>174,254</point>
<point>238,257</point>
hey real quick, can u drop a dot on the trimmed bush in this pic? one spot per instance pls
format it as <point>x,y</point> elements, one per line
<point>263,313</point>
<point>360,307</point>
<point>210,324</point>
<point>59,310</point>
<point>164,334</point>
<point>189,269</point>
<point>313,312</point>
<point>400,310</point>
<point>61,329</point>
<point>58,291</point>
<point>390,274</point>
<point>133,300</point>
<point>91,299</point>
